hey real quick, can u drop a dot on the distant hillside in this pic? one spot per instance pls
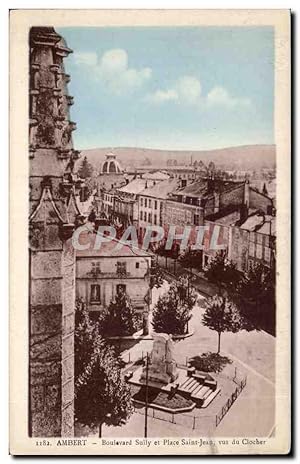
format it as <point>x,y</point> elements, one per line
<point>242,158</point>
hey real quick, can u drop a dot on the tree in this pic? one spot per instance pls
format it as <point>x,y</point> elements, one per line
<point>119,318</point>
<point>170,316</point>
<point>255,298</point>
<point>86,337</point>
<point>221,315</point>
<point>222,272</point>
<point>101,394</point>
<point>156,275</point>
<point>173,253</point>
<point>185,291</point>
<point>85,170</point>
<point>172,312</point>
<point>191,259</point>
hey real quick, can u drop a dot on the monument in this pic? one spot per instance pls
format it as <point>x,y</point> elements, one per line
<point>162,367</point>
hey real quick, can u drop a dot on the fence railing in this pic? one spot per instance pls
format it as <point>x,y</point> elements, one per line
<point>230,401</point>
<point>191,421</point>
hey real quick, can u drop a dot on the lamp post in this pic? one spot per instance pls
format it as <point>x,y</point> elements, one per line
<point>146,398</point>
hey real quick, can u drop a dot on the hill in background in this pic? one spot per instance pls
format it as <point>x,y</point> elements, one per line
<point>254,157</point>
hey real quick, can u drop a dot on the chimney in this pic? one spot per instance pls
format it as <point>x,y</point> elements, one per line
<point>243,213</point>
<point>216,202</point>
<point>210,184</point>
<point>247,193</point>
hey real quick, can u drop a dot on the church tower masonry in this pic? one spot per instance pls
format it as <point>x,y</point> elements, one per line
<point>53,215</point>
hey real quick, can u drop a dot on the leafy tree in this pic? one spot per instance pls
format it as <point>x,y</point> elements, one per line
<point>172,312</point>
<point>170,316</point>
<point>191,259</point>
<point>256,299</point>
<point>85,170</point>
<point>162,251</point>
<point>223,273</point>
<point>185,291</point>
<point>119,318</point>
<point>221,315</point>
<point>156,275</point>
<point>101,394</point>
<point>209,362</point>
<point>86,337</point>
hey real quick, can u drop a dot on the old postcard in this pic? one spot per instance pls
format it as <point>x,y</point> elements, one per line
<point>150,232</point>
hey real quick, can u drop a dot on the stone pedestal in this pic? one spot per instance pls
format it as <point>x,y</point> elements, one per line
<point>162,368</point>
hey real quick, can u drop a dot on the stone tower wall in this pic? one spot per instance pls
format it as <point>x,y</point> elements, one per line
<point>53,212</point>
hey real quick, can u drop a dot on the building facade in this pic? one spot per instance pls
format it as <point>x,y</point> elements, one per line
<point>152,205</point>
<point>102,273</point>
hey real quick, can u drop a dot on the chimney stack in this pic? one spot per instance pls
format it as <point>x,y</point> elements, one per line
<point>247,193</point>
<point>211,183</point>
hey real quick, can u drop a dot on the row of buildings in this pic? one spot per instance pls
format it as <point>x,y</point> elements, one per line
<point>244,215</point>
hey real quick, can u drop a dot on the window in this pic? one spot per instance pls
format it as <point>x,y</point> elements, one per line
<point>121,268</point>
<point>141,215</point>
<point>95,293</point>
<point>267,254</point>
<point>137,265</point>
<point>141,201</point>
<point>150,203</point>
<point>251,249</point>
<point>155,204</point>
<point>196,220</point>
<point>259,238</point>
<point>259,251</point>
<point>95,268</point>
<point>121,288</point>
<point>145,217</point>
<point>155,219</point>
<point>146,202</point>
<point>149,217</point>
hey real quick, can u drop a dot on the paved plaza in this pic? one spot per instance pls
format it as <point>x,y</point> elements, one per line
<point>252,355</point>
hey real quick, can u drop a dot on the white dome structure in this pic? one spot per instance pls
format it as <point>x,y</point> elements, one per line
<point>111,165</point>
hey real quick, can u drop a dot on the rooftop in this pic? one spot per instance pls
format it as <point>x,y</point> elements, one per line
<point>158,175</point>
<point>161,190</point>
<point>113,247</point>
<point>260,222</point>
<point>200,188</point>
<point>136,186</point>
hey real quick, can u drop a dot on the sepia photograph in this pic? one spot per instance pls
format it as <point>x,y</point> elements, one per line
<point>153,234</point>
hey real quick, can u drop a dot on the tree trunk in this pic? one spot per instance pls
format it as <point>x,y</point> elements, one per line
<point>100,430</point>
<point>219,342</point>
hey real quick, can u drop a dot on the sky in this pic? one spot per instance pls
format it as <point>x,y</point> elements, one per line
<point>193,88</point>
